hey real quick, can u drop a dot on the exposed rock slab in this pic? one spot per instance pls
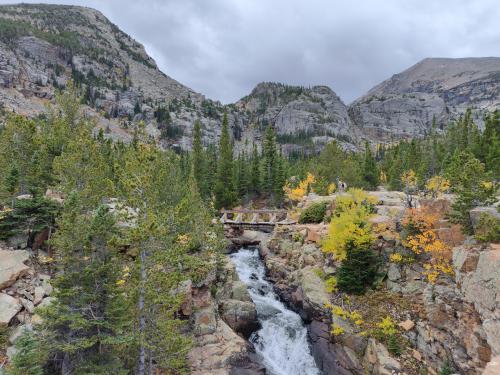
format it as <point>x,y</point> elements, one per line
<point>435,89</point>
<point>9,307</point>
<point>12,266</point>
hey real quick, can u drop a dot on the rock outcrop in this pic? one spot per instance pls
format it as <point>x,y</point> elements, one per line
<point>435,89</point>
<point>220,324</point>
<point>12,266</point>
<point>302,117</point>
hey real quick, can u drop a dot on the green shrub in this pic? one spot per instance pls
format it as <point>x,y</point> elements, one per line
<point>446,369</point>
<point>358,270</point>
<point>488,229</point>
<point>315,213</point>
<point>4,336</point>
<point>31,215</point>
<point>30,357</point>
<point>393,345</point>
<point>331,284</point>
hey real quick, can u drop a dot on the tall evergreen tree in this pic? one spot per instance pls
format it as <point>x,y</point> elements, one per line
<point>270,164</point>
<point>199,169</point>
<point>370,170</point>
<point>212,162</point>
<point>255,171</point>
<point>88,320</point>
<point>225,195</point>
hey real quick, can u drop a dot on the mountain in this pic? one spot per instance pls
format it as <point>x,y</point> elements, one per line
<point>405,105</point>
<point>302,117</point>
<point>43,46</point>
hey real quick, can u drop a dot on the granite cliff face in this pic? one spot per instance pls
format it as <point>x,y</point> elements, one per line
<point>405,105</point>
<point>302,117</point>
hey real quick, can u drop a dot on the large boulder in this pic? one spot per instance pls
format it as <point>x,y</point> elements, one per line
<point>12,266</point>
<point>241,316</point>
<point>314,295</point>
<point>9,307</point>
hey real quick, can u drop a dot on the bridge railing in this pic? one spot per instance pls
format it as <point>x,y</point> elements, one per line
<point>255,217</point>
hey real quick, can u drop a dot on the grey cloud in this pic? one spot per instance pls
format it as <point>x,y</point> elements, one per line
<point>223,48</point>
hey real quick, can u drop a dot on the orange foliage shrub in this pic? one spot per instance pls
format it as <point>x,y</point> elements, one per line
<point>421,238</point>
<point>303,188</point>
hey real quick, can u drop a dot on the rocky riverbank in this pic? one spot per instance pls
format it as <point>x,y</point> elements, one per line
<point>453,323</point>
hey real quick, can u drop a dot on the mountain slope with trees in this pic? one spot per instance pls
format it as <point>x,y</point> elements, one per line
<point>43,46</point>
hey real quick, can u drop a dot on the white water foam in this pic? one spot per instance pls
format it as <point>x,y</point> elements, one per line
<point>282,340</point>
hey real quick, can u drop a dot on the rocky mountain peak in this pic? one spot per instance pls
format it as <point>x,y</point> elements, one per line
<point>438,74</point>
<point>435,89</point>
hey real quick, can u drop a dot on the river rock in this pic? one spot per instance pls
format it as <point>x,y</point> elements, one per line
<point>240,316</point>
<point>9,307</point>
<point>313,290</point>
<point>12,266</point>
<point>239,291</point>
<point>220,351</point>
<point>205,321</point>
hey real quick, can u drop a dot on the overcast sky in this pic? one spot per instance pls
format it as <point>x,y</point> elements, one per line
<point>223,48</point>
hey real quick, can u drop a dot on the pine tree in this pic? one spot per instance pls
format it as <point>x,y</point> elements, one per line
<point>370,170</point>
<point>30,357</point>
<point>88,319</point>
<point>241,176</point>
<point>17,147</point>
<point>269,162</point>
<point>152,183</point>
<point>255,171</point>
<point>280,179</point>
<point>359,270</point>
<point>474,187</point>
<point>225,195</point>
<point>212,162</point>
<point>199,160</point>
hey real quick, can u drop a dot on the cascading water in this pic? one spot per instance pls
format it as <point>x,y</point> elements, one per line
<point>282,340</point>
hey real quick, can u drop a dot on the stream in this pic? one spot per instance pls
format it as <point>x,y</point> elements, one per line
<point>282,341</point>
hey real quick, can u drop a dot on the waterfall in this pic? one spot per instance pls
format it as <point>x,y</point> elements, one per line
<point>282,341</point>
